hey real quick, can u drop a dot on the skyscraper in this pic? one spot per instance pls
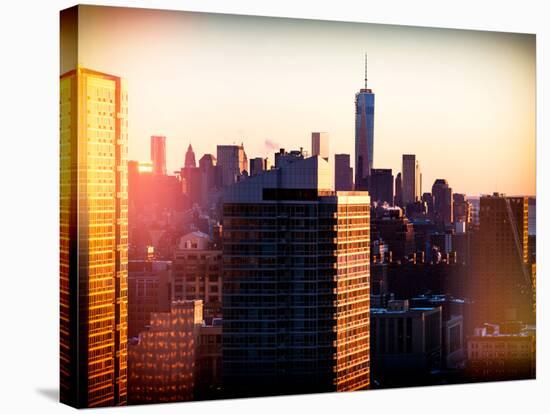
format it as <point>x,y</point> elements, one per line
<point>190,158</point>
<point>343,173</point>
<point>158,154</point>
<point>411,179</point>
<point>398,200</point>
<point>258,164</point>
<point>364,134</point>
<point>296,283</point>
<point>442,201</point>
<point>93,239</point>
<point>381,185</point>
<point>501,284</point>
<point>232,162</point>
<point>319,144</point>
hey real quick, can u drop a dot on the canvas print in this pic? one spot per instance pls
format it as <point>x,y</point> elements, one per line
<point>257,206</point>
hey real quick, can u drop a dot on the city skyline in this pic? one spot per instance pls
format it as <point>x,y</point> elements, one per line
<point>475,73</point>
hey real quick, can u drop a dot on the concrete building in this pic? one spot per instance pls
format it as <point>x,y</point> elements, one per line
<point>405,343</point>
<point>343,173</point>
<point>93,237</point>
<point>462,209</point>
<point>283,157</point>
<point>502,352</point>
<point>296,314</point>
<point>258,165</point>
<point>411,179</point>
<point>162,360</point>
<point>197,272</point>
<point>320,144</point>
<point>397,232</point>
<point>148,292</point>
<point>208,384</point>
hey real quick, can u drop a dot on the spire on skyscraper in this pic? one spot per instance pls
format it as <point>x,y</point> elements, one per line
<point>190,158</point>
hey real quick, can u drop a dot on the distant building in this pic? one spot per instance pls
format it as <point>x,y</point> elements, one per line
<point>283,158</point>
<point>391,226</point>
<point>398,199</point>
<point>429,200</point>
<point>197,272</point>
<point>502,352</point>
<point>381,186</point>
<point>320,144</point>
<point>158,154</point>
<point>295,316</point>
<point>462,209</point>
<point>411,179</point>
<point>148,292</point>
<point>232,163</point>
<point>210,178</point>
<point>501,282</point>
<point>443,201</point>
<point>258,165</point>
<point>192,185</point>
<point>190,158</point>
<point>364,135</point>
<point>343,173</point>
<point>405,343</point>
<point>162,360</point>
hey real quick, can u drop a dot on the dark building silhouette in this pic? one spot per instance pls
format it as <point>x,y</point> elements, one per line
<point>391,226</point>
<point>443,201</point>
<point>381,186</point>
<point>343,173</point>
<point>462,209</point>
<point>158,154</point>
<point>398,200</point>
<point>190,158</point>
<point>364,135</point>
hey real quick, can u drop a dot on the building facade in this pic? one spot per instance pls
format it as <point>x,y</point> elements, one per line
<point>442,201</point>
<point>296,283</point>
<point>320,144</point>
<point>93,239</point>
<point>158,154</point>
<point>343,173</point>
<point>410,179</point>
<point>232,163</point>
<point>381,186</point>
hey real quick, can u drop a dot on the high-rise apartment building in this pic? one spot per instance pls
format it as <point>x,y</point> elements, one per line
<point>259,164</point>
<point>364,135</point>
<point>411,179</point>
<point>296,283</point>
<point>443,201</point>
<point>501,284</point>
<point>381,186</point>
<point>232,162</point>
<point>93,238</point>
<point>158,154</point>
<point>343,173</point>
<point>320,144</point>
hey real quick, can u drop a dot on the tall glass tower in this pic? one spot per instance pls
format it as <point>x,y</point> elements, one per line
<point>364,135</point>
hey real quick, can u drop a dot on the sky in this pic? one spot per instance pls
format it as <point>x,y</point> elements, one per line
<point>462,101</point>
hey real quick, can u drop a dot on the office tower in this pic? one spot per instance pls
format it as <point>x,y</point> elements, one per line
<point>258,164</point>
<point>443,201</point>
<point>319,144</point>
<point>93,238</point>
<point>190,158</point>
<point>406,343</point>
<point>343,173</point>
<point>364,134</point>
<point>232,162</point>
<point>162,360</point>
<point>501,282</point>
<point>398,200</point>
<point>462,209</point>
<point>296,313</point>
<point>381,186</point>
<point>502,352</point>
<point>209,177</point>
<point>197,272</point>
<point>411,179</point>
<point>158,154</point>
<point>282,157</point>
<point>192,185</point>
<point>148,292</point>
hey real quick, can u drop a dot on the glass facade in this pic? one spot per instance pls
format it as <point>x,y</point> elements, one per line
<point>364,137</point>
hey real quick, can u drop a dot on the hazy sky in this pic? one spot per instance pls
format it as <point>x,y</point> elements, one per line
<point>462,101</point>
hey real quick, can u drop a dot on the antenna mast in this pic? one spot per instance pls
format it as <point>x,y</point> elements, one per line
<point>365,71</point>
